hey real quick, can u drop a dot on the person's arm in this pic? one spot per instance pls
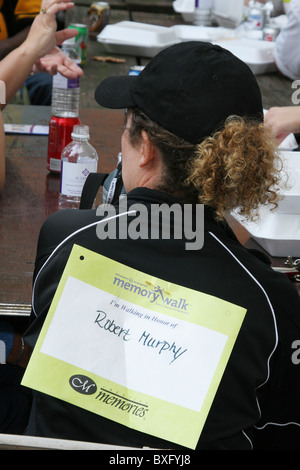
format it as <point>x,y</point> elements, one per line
<point>283,121</point>
<point>41,40</point>
<point>2,153</point>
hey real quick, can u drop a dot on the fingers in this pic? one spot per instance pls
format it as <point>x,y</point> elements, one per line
<point>64,34</point>
<point>46,4</point>
<point>53,69</point>
<point>56,61</point>
<point>282,120</point>
<point>69,72</point>
<point>51,7</point>
<point>69,67</point>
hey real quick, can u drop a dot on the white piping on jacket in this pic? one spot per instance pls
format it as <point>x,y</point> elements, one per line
<point>68,238</point>
<point>272,311</point>
<point>267,297</point>
<point>276,342</point>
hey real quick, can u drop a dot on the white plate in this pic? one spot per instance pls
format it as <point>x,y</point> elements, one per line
<point>258,55</point>
<point>202,33</point>
<point>278,234</point>
<point>278,231</point>
<point>227,13</point>
<point>291,202</point>
<point>139,39</point>
<point>146,40</point>
<point>186,8</point>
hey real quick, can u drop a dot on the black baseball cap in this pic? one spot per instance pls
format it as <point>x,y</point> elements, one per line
<point>189,89</point>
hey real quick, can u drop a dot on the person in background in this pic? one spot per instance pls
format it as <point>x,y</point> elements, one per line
<point>285,120</point>
<point>38,50</point>
<point>287,45</point>
<point>15,20</point>
<point>16,17</point>
<point>279,6</point>
<point>202,140</point>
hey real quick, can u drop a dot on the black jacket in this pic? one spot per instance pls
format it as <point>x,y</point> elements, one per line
<point>261,384</point>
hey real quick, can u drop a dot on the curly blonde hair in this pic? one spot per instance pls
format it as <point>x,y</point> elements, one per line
<point>238,168</point>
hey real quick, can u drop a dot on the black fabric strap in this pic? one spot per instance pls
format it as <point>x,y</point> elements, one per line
<point>119,184</point>
<point>90,189</point>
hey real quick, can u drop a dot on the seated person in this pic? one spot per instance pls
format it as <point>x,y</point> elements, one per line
<point>193,134</point>
<point>287,50</point>
<point>38,52</point>
<point>16,17</point>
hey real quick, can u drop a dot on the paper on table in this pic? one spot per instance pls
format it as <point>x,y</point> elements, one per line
<point>26,129</point>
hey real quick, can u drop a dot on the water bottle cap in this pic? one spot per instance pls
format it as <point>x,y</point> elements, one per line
<point>81,130</point>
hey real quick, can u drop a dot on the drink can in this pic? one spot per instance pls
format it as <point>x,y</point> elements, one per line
<point>269,34</point>
<point>99,14</point>
<point>136,69</point>
<point>80,40</point>
<point>256,18</point>
<point>60,130</point>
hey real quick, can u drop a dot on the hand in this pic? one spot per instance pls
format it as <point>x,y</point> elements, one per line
<point>41,40</point>
<point>283,121</point>
<point>43,37</point>
<point>57,61</point>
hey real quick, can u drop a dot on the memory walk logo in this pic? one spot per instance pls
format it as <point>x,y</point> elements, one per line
<point>153,294</point>
<point>154,222</point>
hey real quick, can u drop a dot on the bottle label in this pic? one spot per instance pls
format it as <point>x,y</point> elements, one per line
<point>55,164</point>
<point>74,175</point>
<point>59,81</point>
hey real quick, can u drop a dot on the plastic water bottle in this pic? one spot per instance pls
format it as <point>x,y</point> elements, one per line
<point>203,13</point>
<point>78,159</point>
<point>66,92</point>
<point>65,110</point>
